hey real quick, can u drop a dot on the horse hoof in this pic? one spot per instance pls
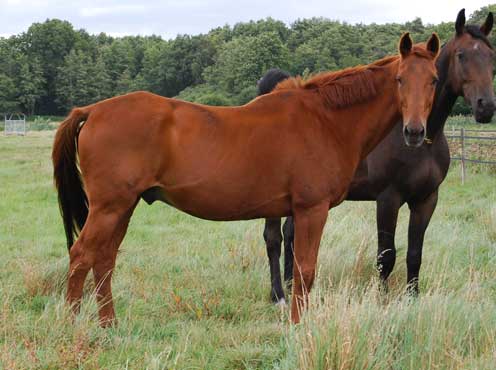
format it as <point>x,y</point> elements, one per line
<point>281,303</point>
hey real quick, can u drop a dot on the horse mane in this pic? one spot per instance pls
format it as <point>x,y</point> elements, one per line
<point>476,33</point>
<point>347,86</point>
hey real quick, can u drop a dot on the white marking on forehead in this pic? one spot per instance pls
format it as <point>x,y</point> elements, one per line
<point>476,46</point>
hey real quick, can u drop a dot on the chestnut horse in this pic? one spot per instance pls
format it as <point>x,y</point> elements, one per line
<point>292,152</point>
<point>393,174</point>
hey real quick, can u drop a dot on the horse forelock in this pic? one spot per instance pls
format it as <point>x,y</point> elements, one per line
<point>420,50</point>
<point>476,33</point>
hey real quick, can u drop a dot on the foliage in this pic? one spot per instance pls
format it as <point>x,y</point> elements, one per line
<point>41,123</point>
<point>205,94</point>
<point>52,67</point>
<point>8,101</point>
<point>243,60</point>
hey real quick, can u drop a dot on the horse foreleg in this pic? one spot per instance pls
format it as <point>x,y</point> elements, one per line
<point>309,224</point>
<point>420,216</point>
<point>388,205</point>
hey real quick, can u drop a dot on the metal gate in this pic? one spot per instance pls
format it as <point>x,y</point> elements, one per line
<point>15,124</point>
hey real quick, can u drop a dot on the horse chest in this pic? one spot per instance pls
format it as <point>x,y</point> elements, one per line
<point>421,179</point>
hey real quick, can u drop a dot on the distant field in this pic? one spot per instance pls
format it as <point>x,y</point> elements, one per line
<point>193,294</point>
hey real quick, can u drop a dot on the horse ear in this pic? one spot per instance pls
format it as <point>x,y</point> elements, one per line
<point>405,46</point>
<point>488,24</point>
<point>460,22</point>
<point>433,44</point>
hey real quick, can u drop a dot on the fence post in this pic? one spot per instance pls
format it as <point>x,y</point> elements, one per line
<point>462,135</point>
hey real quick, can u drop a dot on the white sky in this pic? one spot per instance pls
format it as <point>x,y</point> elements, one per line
<point>170,17</point>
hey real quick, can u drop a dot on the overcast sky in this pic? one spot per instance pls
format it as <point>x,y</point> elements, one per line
<point>171,17</point>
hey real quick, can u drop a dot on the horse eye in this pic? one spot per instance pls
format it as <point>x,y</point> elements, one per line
<point>398,79</point>
<point>459,55</point>
<point>435,81</point>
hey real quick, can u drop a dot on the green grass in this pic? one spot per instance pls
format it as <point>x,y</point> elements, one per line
<point>193,294</point>
<point>468,122</point>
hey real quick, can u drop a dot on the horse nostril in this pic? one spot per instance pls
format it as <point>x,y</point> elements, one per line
<point>410,131</point>
<point>480,102</point>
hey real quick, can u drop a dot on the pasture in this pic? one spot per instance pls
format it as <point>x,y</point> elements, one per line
<point>193,294</point>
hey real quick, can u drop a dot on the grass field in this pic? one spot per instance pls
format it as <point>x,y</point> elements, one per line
<point>192,294</point>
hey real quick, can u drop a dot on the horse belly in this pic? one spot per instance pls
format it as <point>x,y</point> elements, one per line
<point>219,203</point>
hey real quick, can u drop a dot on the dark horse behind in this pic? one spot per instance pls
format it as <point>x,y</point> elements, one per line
<point>394,173</point>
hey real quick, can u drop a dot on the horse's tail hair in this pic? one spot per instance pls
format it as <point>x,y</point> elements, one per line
<point>73,202</point>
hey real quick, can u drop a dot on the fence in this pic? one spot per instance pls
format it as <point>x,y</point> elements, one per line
<point>15,124</point>
<point>472,142</point>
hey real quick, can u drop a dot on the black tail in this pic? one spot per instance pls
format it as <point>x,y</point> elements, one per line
<point>73,202</point>
<point>270,80</point>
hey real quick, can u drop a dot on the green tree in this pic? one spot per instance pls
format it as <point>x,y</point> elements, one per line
<point>479,16</point>
<point>30,82</point>
<point>243,60</point>
<point>263,26</point>
<point>98,80</point>
<point>152,73</point>
<point>8,94</point>
<point>49,42</point>
<point>76,82</point>
<point>205,94</point>
<point>125,83</point>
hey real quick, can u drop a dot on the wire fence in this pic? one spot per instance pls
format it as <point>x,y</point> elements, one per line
<point>472,146</point>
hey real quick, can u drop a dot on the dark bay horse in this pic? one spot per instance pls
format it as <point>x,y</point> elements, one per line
<point>394,173</point>
<point>292,152</point>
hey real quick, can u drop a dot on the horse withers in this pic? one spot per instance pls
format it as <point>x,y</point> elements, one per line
<point>309,137</point>
<point>393,174</point>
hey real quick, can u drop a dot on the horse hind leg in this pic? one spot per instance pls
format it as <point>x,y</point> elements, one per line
<point>288,234</point>
<point>273,238</point>
<point>96,248</point>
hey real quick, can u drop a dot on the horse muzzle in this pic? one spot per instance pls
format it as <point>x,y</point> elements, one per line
<point>414,134</point>
<point>483,109</point>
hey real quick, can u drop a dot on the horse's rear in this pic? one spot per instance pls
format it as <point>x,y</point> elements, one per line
<point>115,149</point>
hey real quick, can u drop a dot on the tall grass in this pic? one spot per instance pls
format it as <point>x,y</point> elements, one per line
<point>192,294</point>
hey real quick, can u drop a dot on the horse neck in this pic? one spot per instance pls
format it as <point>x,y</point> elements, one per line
<point>365,131</point>
<point>444,98</point>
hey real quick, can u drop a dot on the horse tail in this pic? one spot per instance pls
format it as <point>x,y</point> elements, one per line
<point>270,80</point>
<point>73,202</point>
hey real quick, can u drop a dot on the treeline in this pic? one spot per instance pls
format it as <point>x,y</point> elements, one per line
<point>53,67</point>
